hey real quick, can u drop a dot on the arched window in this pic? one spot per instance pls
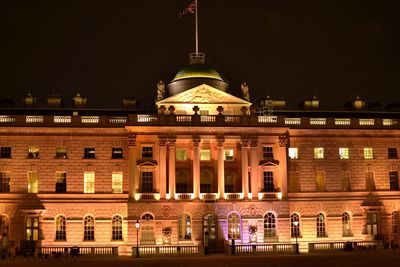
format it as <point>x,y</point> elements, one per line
<point>88,228</point>
<point>116,228</point>
<point>147,229</point>
<point>4,226</point>
<point>346,224</point>
<point>395,222</point>
<point>233,226</point>
<point>294,227</point>
<point>321,231</point>
<point>269,225</point>
<point>61,233</point>
<point>185,227</point>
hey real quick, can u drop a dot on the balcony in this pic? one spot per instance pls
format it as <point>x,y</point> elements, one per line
<point>184,196</point>
<point>270,196</point>
<point>208,197</point>
<point>233,196</point>
<point>147,196</point>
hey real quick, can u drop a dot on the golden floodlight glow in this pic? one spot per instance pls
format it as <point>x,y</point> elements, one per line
<point>157,196</point>
<point>168,196</point>
<point>250,195</point>
<point>279,195</point>
<point>260,196</point>
<point>137,197</point>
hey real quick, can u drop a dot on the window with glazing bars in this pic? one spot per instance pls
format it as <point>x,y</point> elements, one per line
<point>269,181</point>
<point>321,230</point>
<point>392,153</point>
<point>89,153</point>
<point>4,182</point>
<point>268,152</point>
<point>147,182</point>
<point>61,234</point>
<point>117,227</point>
<point>61,182</point>
<point>5,152</point>
<point>116,153</point>
<point>394,180</point>
<point>88,229</point>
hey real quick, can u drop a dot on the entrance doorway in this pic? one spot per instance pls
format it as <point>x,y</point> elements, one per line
<point>210,231</point>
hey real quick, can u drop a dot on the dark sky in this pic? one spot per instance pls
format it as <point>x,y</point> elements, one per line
<point>121,48</point>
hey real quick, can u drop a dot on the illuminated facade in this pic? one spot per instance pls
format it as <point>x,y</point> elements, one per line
<point>205,168</point>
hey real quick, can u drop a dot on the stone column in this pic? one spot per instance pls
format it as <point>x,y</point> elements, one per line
<point>245,169</point>
<point>163,166</point>
<point>171,166</point>
<point>196,166</point>
<point>132,164</point>
<point>283,142</point>
<point>221,171</point>
<point>255,175</point>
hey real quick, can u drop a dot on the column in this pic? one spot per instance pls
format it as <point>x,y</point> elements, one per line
<point>163,167</point>
<point>196,166</point>
<point>245,169</point>
<point>283,141</point>
<point>132,164</point>
<point>171,166</point>
<point>221,173</point>
<point>255,175</point>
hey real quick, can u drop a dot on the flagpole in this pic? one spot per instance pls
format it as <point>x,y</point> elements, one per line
<point>197,29</point>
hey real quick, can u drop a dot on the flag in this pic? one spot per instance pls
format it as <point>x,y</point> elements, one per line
<point>190,9</point>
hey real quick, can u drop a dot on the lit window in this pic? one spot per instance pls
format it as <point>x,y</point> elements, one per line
<point>293,153</point>
<point>343,153</point>
<point>88,186</point>
<point>368,153</point>
<point>394,180</point>
<point>392,153</point>
<point>294,227</point>
<point>318,152</point>
<point>321,230</point>
<point>61,234</point>
<point>33,152</point>
<point>61,152</point>
<point>5,152</point>
<point>88,228</point>
<point>205,154</point>
<point>268,152</point>
<point>185,227</point>
<point>346,224</point>
<point>61,182</point>
<point>228,154</point>
<point>269,225</point>
<point>181,154</point>
<point>147,152</point>
<point>116,228</point>
<point>117,182</point>
<point>32,228</point>
<point>89,153</point>
<point>33,182</point>
<point>116,153</point>
<point>4,182</point>
<point>233,226</point>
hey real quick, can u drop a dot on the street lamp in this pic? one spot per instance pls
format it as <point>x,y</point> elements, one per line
<point>137,225</point>
<point>296,232</point>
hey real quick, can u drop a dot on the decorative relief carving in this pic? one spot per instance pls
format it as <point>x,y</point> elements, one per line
<point>132,140</point>
<point>253,142</point>
<point>244,141</point>
<point>166,235</point>
<point>162,140</point>
<point>220,141</point>
<point>196,140</point>
<point>283,140</point>
<point>166,211</point>
<point>171,140</point>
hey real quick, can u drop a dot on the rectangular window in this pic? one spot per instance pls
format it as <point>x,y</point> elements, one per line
<point>394,180</point>
<point>5,152</point>
<point>116,153</point>
<point>392,153</point>
<point>205,188</point>
<point>88,182</point>
<point>344,153</point>
<point>318,152</point>
<point>89,153</point>
<point>61,152</point>
<point>205,154</point>
<point>4,182</point>
<point>32,228</point>
<point>268,152</point>
<point>33,152</point>
<point>320,181</point>
<point>33,182</point>
<point>228,154</point>
<point>368,153</point>
<point>293,153</point>
<point>117,182</point>
<point>61,182</point>
<point>269,181</point>
<point>369,181</point>
<point>181,154</point>
<point>147,182</point>
<point>147,152</point>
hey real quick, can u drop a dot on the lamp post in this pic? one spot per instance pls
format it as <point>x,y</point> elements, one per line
<point>137,225</point>
<point>296,225</point>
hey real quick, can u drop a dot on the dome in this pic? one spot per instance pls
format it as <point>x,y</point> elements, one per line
<point>198,71</point>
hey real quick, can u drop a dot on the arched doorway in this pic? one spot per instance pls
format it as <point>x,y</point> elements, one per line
<point>210,231</point>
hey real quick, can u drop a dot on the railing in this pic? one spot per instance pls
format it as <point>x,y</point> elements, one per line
<point>34,119</point>
<point>184,196</point>
<point>147,196</point>
<point>267,195</point>
<point>267,119</point>
<point>117,120</point>
<point>62,119</point>
<point>337,246</point>
<point>208,196</point>
<point>147,118</point>
<point>90,119</point>
<point>264,248</point>
<point>146,251</point>
<point>207,118</point>
<point>342,121</point>
<point>82,250</point>
<point>233,196</point>
<point>231,119</point>
<point>317,121</point>
<point>6,119</point>
<point>183,118</point>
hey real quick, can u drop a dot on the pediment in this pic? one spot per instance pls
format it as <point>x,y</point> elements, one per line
<point>269,162</point>
<point>144,163</point>
<point>203,94</point>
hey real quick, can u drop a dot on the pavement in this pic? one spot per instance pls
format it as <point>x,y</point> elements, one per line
<point>339,259</point>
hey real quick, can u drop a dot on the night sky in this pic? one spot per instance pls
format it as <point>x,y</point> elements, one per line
<point>289,49</point>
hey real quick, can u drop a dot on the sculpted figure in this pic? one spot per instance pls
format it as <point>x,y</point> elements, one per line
<point>245,91</point>
<point>160,90</point>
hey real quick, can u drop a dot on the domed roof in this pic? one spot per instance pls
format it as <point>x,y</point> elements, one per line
<point>198,71</point>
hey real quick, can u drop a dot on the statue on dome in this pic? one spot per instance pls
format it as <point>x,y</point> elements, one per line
<point>245,91</point>
<point>160,90</point>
